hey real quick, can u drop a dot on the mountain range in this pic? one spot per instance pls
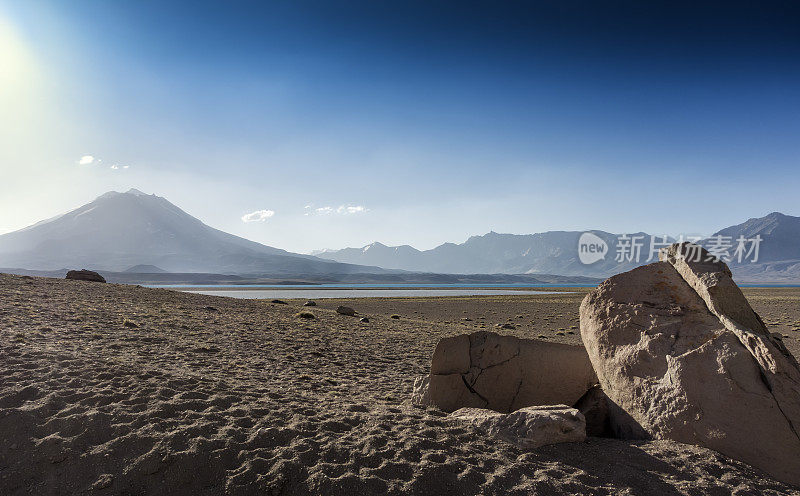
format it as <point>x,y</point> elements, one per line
<point>133,233</point>
<point>556,252</point>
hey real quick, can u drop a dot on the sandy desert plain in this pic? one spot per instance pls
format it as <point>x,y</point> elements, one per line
<point>114,389</point>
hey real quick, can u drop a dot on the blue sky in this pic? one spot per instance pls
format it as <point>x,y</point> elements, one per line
<point>413,122</point>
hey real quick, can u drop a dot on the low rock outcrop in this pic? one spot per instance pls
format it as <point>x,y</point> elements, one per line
<point>343,310</point>
<point>529,427</point>
<point>506,373</point>
<point>85,275</point>
<point>681,355</point>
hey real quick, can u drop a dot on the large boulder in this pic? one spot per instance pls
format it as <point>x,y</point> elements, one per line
<point>85,275</point>
<point>506,373</point>
<point>681,355</point>
<point>529,427</point>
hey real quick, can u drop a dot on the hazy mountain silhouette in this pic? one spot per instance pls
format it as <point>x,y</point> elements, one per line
<point>779,251</point>
<point>780,236</point>
<point>120,230</point>
<point>145,269</point>
<point>556,252</point>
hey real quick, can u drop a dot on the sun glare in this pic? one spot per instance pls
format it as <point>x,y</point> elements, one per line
<point>17,68</point>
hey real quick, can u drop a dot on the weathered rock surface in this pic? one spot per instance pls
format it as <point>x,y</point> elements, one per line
<point>713,283</point>
<point>529,427</point>
<point>85,275</point>
<point>420,395</point>
<point>681,355</point>
<point>506,373</point>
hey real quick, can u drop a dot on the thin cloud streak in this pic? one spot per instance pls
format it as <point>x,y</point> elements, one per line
<point>340,210</point>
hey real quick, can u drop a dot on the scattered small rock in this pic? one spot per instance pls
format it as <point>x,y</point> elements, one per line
<point>394,316</point>
<point>364,320</point>
<point>305,315</point>
<point>342,310</point>
<point>130,323</point>
<point>310,303</point>
<point>104,481</point>
<point>279,302</point>
<point>211,309</point>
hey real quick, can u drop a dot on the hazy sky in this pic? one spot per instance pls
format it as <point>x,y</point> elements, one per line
<point>332,124</point>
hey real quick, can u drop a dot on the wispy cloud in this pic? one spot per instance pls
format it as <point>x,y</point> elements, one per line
<point>340,210</point>
<point>258,216</point>
<point>92,160</point>
<point>351,209</point>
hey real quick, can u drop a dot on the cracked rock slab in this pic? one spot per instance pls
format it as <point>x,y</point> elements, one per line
<point>681,355</point>
<point>529,427</point>
<point>506,373</point>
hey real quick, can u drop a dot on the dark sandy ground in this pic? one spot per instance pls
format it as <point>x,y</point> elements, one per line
<point>109,389</point>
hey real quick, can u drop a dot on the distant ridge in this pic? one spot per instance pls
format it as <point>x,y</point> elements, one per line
<point>555,252</point>
<point>779,253</point>
<point>145,269</point>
